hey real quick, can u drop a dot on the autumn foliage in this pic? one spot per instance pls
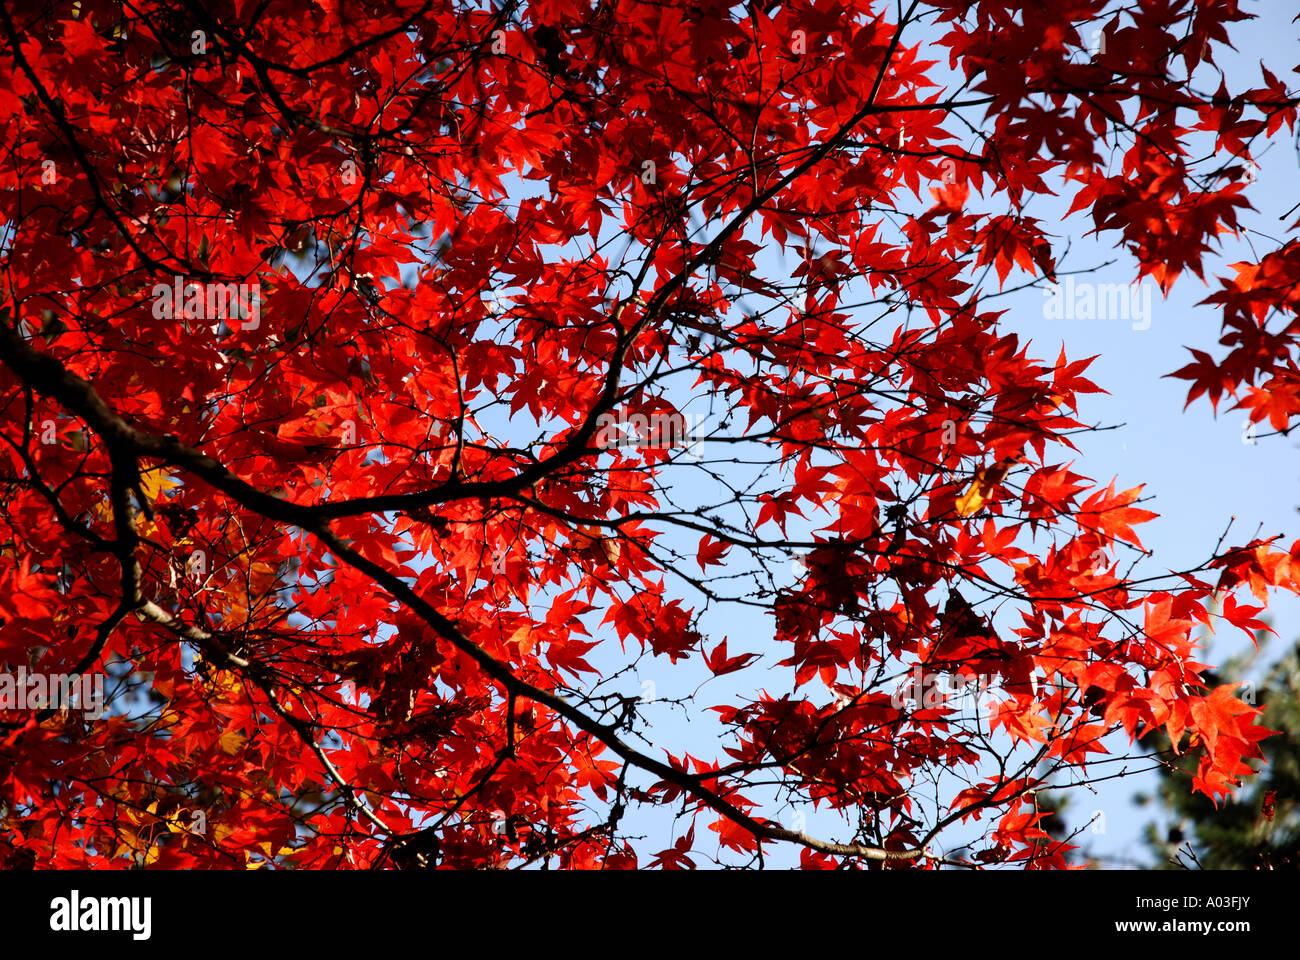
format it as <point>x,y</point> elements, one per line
<point>370,584</point>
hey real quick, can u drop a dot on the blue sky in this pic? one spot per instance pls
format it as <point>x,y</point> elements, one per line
<point>1199,473</point>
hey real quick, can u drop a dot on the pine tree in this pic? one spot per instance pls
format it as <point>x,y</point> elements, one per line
<point>1259,828</point>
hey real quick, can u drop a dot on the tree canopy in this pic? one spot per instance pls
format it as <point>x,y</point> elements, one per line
<point>353,360</point>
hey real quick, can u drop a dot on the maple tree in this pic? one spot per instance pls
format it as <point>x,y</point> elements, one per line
<point>315,321</point>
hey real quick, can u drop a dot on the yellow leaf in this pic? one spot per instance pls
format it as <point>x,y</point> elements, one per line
<point>231,741</point>
<point>155,481</point>
<point>970,502</point>
<point>982,486</point>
